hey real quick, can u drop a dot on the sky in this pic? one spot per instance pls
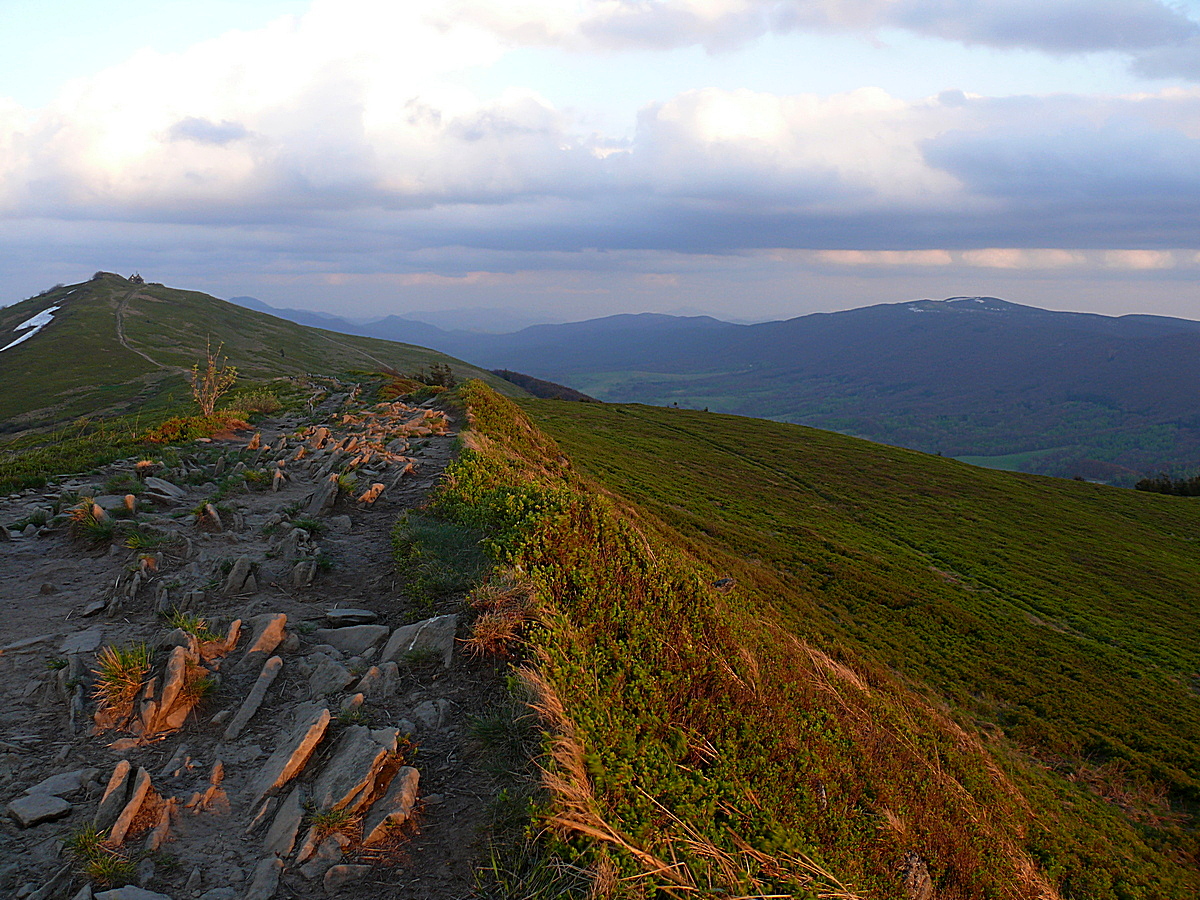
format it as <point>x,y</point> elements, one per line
<point>564,159</point>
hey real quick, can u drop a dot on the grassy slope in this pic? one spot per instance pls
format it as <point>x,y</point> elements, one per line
<point>77,366</point>
<point>1054,617</point>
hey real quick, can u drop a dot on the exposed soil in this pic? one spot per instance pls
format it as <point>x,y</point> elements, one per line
<point>54,579</point>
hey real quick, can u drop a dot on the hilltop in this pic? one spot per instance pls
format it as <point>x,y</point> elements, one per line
<point>113,346</point>
<point>996,383</point>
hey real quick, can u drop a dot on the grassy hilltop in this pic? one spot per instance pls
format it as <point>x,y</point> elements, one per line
<point>115,346</point>
<point>921,672</point>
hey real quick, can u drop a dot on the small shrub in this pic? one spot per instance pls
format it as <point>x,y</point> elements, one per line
<point>213,381</point>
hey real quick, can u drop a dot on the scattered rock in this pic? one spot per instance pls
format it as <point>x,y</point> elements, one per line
<point>86,641</point>
<point>34,809</point>
<point>341,524</point>
<point>328,678</point>
<point>434,635</point>
<point>328,854</point>
<point>324,497</point>
<point>266,879</point>
<point>221,893</point>
<point>281,837</point>
<point>341,876</point>
<point>255,698</point>
<point>210,520</point>
<point>353,639</point>
<point>291,756</point>
<point>64,784</point>
<point>304,572</point>
<point>116,795</point>
<point>267,631</point>
<point>239,576</point>
<point>142,791</point>
<point>342,618</point>
<point>350,773</point>
<point>393,808</point>
<point>159,489</point>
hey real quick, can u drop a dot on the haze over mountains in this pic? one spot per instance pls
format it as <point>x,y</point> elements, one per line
<point>1106,398</point>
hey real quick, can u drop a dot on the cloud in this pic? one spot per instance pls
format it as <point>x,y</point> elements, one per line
<point>1159,36</point>
<point>204,131</point>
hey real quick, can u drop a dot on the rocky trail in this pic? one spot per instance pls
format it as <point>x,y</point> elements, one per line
<point>301,727</point>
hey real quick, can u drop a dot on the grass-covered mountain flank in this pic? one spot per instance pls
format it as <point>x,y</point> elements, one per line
<point>116,346</point>
<point>782,662</point>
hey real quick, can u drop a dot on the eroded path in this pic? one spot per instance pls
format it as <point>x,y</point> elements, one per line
<point>311,739</point>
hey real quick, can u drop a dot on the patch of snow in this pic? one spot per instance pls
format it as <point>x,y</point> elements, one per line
<point>37,323</point>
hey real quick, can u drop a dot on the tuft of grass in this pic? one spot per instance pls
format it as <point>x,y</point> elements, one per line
<point>313,526</point>
<point>327,821</point>
<point>87,522</point>
<point>120,674</point>
<point>192,624</point>
<point>96,860</point>
<point>437,557</point>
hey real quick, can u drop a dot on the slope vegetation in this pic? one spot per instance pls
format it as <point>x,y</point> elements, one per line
<point>780,660</point>
<point>115,346</point>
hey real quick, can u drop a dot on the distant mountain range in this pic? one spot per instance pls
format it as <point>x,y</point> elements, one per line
<point>1011,386</point>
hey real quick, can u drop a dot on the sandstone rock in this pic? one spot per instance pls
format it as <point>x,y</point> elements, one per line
<point>162,828</point>
<point>34,809</point>
<point>116,795</point>
<point>428,715</point>
<point>393,808</point>
<point>328,678</point>
<point>85,893</point>
<point>434,635</point>
<point>176,701</point>
<point>221,893</point>
<point>353,639</point>
<point>267,631</point>
<point>255,698</point>
<point>350,773</point>
<point>141,792</point>
<point>291,756</point>
<point>351,702</point>
<point>341,876</point>
<point>281,836</point>
<point>341,618</point>
<point>266,879</point>
<point>341,524</point>
<point>93,608</point>
<point>371,494</point>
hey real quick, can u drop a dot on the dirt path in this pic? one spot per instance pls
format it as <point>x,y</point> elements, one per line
<point>62,599</point>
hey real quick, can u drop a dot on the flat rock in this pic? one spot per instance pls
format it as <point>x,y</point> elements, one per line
<point>351,771</point>
<point>241,573</point>
<point>86,641</point>
<point>64,784</point>
<point>131,893</point>
<point>340,618</point>
<point>341,876</point>
<point>34,809</point>
<point>393,808</point>
<point>220,893</point>
<point>137,796</point>
<point>434,635</point>
<point>291,756</point>
<point>266,879</point>
<point>341,524</point>
<point>353,640</point>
